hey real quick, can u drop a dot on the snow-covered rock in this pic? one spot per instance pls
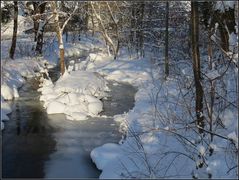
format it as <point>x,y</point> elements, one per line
<point>95,107</point>
<point>55,107</point>
<point>7,92</point>
<point>76,94</point>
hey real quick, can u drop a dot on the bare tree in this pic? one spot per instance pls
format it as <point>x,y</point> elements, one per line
<point>59,32</point>
<point>166,41</point>
<point>14,36</point>
<point>196,65</point>
<point>116,27</point>
<point>104,31</point>
<point>141,31</point>
<point>59,35</point>
<point>41,26</point>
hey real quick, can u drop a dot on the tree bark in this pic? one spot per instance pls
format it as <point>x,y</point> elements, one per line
<point>141,32</point>
<point>116,29</point>
<point>86,19</point>
<point>166,41</point>
<point>92,19</point>
<point>224,37</point>
<point>41,28</point>
<point>14,35</point>
<point>196,65</point>
<point>132,24</point>
<point>35,20</point>
<point>59,36</point>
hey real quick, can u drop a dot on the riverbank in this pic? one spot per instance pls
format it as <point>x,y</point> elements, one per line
<point>14,74</point>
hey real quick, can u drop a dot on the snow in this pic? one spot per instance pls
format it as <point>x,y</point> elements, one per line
<point>233,42</point>
<point>76,94</point>
<point>95,108</point>
<point>123,70</point>
<point>6,92</point>
<point>224,5</point>
<point>5,109</point>
<point>104,154</point>
<point>61,46</point>
<point>212,75</point>
<point>201,150</point>
<point>234,137</point>
<point>55,107</point>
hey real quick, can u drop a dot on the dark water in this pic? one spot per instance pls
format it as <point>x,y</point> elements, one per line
<point>27,138</point>
<point>38,145</point>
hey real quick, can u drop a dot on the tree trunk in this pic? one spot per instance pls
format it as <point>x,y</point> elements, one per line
<point>41,28</point>
<point>86,19</point>
<point>166,41</point>
<point>116,29</point>
<point>39,39</point>
<point>226,21</point>
<point>141,33</point>
<point>132,24</point>
<point>35,21</point>
<point>224,38</point>
<point>59,36</point>
<point>14,35</point>
<point>196,66</point>
<point>92,18</point>
<point>210,33</point>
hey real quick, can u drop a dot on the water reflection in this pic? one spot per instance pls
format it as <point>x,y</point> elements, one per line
<point>27,139</point>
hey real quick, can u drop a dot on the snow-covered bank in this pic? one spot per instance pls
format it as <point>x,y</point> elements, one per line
<point>153,146</point>
<point>13,76</point>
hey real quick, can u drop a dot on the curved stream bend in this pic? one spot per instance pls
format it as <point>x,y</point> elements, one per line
<point>38,145</point>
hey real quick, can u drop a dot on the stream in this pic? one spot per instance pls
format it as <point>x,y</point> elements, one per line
<point>38,145</point>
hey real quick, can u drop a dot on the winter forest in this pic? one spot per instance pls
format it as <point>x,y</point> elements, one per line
<point>119,89</point>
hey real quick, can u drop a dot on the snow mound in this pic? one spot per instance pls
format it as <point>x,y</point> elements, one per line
<point>105,154</point>
<point>76,94</point>
<point>5,109</point>
<point>6,92</point>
